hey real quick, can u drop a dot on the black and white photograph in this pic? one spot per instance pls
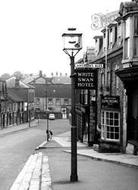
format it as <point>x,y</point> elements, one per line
<point>68,95</point>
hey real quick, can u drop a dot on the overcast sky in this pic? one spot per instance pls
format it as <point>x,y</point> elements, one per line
<point>30,32</point>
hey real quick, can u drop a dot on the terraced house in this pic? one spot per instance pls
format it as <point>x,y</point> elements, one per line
<point>16,102</point>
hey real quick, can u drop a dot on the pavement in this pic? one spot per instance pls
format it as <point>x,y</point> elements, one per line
<point>36,175</point>
<point>16,128</point>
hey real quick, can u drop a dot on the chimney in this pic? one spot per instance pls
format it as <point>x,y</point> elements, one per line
<point>40,73</point>
<point>17,85</point>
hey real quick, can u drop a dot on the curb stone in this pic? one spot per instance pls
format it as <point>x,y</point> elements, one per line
<point>35,175</point>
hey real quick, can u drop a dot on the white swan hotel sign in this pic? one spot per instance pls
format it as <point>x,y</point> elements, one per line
<point>85,79</point>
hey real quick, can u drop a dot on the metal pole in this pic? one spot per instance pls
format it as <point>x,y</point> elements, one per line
<point>28,108</point>
<point>47,123</point>
<point>74,176</point>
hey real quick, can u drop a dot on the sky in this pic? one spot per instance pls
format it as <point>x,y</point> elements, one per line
<point>31,32</point>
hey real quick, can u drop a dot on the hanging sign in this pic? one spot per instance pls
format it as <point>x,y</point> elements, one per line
<point>86,79</point>
<point>110,102</point>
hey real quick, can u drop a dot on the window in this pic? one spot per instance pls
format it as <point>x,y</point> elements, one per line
<point>66,101</point>
<point>117,82</point>
<point>105,42</point>
<point>110,38</point>
<point>119,33</point>
<point>86,97</point>
<point>102,79</point>
<point>127,39</point>
<point>110,125</point>
<point>50,101</point>
<point>136,35</point>
<point>57,101</point>
<point>108,78</point>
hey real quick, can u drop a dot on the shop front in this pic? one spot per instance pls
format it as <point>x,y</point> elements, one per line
<point>129,77</point>
<point>110,124</point>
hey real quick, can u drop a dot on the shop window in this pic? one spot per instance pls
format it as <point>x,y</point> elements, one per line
<point>136,35</point>
<point>110,125</point>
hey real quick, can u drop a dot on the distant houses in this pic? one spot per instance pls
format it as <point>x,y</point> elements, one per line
<point>17,102</point>
<point>52,94</point>
<point>22,101</point>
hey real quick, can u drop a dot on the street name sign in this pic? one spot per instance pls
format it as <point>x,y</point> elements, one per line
<point>94,66</point>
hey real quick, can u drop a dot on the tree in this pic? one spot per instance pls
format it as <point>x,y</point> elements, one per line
<point>18,75</point>
<point>5,76</point>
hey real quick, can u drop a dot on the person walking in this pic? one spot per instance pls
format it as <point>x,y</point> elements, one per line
<point>50,134</point>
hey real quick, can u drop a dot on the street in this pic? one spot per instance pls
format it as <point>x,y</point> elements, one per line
<point>15,148</point>
<point>92,174</point>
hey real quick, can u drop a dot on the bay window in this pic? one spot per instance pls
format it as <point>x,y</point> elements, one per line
<point>110,125</point>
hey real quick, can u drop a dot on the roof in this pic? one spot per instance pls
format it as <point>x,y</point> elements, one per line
<point>11,83</point>
<point>61,80</point>
<point>13,95</point>
<point>53,90</point>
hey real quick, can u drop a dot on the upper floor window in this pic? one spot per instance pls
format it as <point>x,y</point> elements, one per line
<point>127,39</point>
<point>110,38</point>
<point>50,101</point>
<point>102,79</point>
<point>127,31</point>
<point>108,78</point>
<point>66,101</point>
<point>104,42</point>
<point>136,35</point>
<point>117,82</point>
<point>119,33</point>
<point>57,101</point>
<point>86,97</point>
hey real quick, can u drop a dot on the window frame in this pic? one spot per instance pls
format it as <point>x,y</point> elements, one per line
<point>109,128</point>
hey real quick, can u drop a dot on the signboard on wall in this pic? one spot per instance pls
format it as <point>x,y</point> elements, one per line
<point>110,102</point>
<point>86,79</point>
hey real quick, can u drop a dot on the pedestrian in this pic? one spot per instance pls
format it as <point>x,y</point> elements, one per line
<point>47,133</point>
<point>50,134</point>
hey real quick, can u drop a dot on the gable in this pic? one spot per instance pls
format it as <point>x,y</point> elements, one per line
<point>40,80</point>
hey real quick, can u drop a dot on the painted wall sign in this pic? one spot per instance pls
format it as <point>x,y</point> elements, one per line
<point>100,20</point>
<point>86,79</point>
